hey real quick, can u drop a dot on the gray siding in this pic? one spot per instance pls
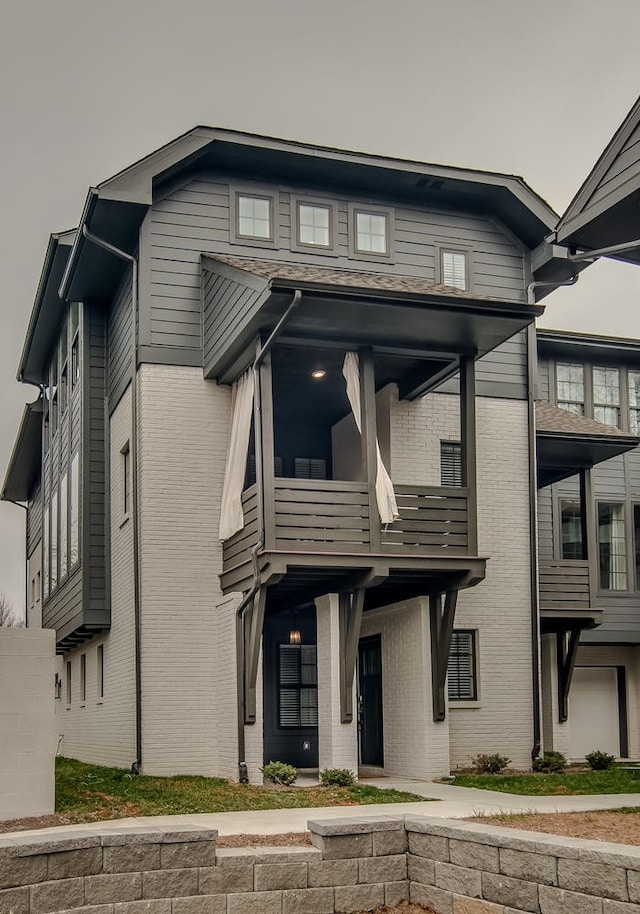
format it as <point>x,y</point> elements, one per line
<point>545,523</point>
<point>500,373</point>
<point>34,520</point>
<point>227,304</point>
<point>543,389</point>
<point>625,167</point>
<point>195,220</point>
<point>120,342</point>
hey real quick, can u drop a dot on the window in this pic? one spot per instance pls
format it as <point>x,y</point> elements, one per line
<point>38,587</point>
<point>53,394</point>
<point>64,527</point>
<point>371,232</point>
<point>450,463</point>
<point>54,541</point>
<point>33,591</point>
<point>125,478</point>
<point>64,390</point>
<point>570,387</point>
<point>634,402</point>
<point>314,223</point>
<point>83,677</point>
<point>453,269</point>
<point>606,396</point>
<point>612,549</point>
<point>74,332</point>
<point>297,685</point>
<point>309,468</point>
<point>254,217</point>
<point>572,545</point>
<point>461,673</point>
<point>74,512</point>
<point>45,551</point>
<point>100,671</point>
<point>68,682</point>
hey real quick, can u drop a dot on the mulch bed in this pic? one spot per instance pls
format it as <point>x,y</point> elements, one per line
<point>618,827</point>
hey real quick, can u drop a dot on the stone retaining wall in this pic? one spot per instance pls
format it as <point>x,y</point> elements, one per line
<point>454,867</point>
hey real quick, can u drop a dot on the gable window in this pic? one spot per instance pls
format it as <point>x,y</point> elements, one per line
<point>450,463</point>
<point>371,232</point>
<point>612,547</point>
<point>606,396</point>
<point>453,269</point>
<point>462,670</point>
<point>297,685</point>
<point>570,387</point>
<point>571,529</point>
<point>254,217</point>
<point>314,224</point>
<point>634,402</point>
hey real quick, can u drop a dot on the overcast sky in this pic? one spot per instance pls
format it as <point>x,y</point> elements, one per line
<point>87,87</point>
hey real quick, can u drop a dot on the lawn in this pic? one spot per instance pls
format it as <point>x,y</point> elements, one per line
<point>85,793</point>
<point>572,782</point>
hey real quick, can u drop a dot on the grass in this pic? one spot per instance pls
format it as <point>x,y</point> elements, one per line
<point>571,783</point>
<point>86,793</point>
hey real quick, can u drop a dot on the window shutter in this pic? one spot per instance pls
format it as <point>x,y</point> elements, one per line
<point>454,269</point>
<point>450,463</point>
<point>309,468</point>
<point>462,662</point>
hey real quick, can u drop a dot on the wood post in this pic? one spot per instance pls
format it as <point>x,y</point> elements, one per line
<point>350,608</point>
<point>566,660</point>
<point>254,621</point>
<point>441,617</point>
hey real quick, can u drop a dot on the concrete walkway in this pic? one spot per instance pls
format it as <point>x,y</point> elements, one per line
<point>452,803</point>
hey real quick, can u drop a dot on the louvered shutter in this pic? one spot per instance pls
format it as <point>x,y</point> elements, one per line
<point>454,269</point>
<point>450,463</point>
<point>462,667</point>
<point>298,692</point>
<point>309,468</point>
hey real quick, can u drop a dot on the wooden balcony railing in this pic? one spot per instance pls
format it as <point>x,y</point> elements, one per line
<point>321,516</point>
<point>564,584</point>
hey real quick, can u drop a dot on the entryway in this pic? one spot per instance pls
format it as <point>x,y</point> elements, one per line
<point>370,726</point>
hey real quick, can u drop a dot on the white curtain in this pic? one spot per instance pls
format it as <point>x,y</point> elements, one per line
<point>231,516</point>
<point>385,496</point>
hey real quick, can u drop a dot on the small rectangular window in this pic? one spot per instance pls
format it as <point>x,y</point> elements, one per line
<point>297,686</point>
<point>371,232</point>
<point>100,670</point>
<point>314,225</point>
<point>83,677</point>
<point>634,402</point>
<point>450,463</point>
<point>125,478</point>
<point>606,396</point>
<point>570,387</point>
<point>571,529</point>
<point>454,271</point>
<point>68,682</point>
<point>254,218</point>
<point>612,546</point>
<point>462,673</point>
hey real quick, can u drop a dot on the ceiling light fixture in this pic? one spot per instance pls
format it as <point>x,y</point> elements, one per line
<point>318,374</point>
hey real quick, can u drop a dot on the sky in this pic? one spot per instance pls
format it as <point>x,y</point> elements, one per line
<point>88,87</point>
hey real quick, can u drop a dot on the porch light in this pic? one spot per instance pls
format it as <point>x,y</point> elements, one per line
<point>294,636</point>
<point>318,374</point>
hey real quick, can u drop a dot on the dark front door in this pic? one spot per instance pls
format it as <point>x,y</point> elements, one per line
<point>370,701</point>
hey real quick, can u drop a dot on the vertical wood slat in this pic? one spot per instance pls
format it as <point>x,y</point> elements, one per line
<point>565,584</point>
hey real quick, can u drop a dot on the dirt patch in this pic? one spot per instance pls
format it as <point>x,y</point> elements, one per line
<point>404,907</point>
<point>292,839</point>
<point>619,827</point>
<point>34,822</point>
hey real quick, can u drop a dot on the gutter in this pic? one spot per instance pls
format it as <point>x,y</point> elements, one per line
<point>136,767</point>
<point>247,601</point>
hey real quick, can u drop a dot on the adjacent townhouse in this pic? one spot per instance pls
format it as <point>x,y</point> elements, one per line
<point>281,475</point>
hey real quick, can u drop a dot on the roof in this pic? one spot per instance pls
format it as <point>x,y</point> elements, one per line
<point>346,279</point>
<point>24,463</point>
<point>551,420</point>
<point>589,345</point>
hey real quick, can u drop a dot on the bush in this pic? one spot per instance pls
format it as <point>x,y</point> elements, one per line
<point>550,763</point>
<point>336,777</point>
<point>599,761</point>
<point>490,764</point>
<point>280,773</point>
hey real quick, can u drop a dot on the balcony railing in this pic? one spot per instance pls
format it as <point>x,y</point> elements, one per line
<point>331,516</point>
<point>564,584</point>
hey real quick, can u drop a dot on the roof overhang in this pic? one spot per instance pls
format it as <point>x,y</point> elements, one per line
<point>588,346</point>
<point>25,461</point>
<point>47,313</point>
<point>557,621</point>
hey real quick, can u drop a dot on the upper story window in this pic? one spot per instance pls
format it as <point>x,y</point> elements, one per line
<point>634,402</point>
<point>571,529</point>
<point>314,223</point>
<point>612,546</point>
<point>254,217</point>
<point>74,333</point>
<point>371,232</point>
<point>53,395</point>
<point>570,387</point>
<point>606,396</point>
<point>454,269</point>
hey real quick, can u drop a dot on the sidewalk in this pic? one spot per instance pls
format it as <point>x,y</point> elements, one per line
<point>452,803</point>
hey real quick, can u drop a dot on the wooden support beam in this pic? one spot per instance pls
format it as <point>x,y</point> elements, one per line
<point>350,607</point>
<point>468,441</point>
<point>254,620</point>
<point>567,649</point>
<point>441,617</point>
<point>369,437</point>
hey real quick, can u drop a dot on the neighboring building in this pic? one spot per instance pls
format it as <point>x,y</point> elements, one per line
<point>303,317</point>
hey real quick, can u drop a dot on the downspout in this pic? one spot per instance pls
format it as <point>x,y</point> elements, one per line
<point>532,356</point>
<point>259,546</point>
<point>136,767</point>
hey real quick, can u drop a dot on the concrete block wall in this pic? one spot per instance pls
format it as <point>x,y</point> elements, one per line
<point>499,608</point>
<point>27,733</point>
<point>101,729</point>
<point>414,744</point>
<point>184,424</point>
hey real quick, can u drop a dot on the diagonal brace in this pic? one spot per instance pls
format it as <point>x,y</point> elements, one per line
<point>566,657</point>
<point>254,620</point>
<point>351,607</point>
<point>441,615</point>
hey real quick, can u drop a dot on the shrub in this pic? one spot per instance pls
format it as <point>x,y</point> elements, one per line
<point>599,761</point>
<point>336,777</point>
<point>550,763</point>
<point>280,773</point>
<point>490,764</point>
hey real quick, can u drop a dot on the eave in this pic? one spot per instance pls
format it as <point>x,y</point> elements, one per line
<point>588,346</point>
<point>25,461</point>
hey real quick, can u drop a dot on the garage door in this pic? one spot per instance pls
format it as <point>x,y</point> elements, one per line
<point>594,719</point>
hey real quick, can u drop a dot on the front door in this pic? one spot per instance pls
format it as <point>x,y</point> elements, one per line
<point>370,701</point>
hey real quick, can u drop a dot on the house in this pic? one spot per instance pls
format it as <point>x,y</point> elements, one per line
<point>281,477</point>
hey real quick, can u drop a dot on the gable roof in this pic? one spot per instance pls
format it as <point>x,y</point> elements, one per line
<point>24,465</point>
<point>604,211</point>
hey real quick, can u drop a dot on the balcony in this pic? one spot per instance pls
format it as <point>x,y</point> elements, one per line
<point>320,533</point>
<point>564,584</point>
